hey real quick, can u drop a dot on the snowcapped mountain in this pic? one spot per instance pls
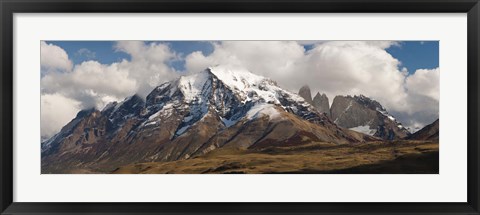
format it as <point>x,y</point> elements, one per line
<point>189,117</point>
<point>230,94</point>
<point>365,115</point>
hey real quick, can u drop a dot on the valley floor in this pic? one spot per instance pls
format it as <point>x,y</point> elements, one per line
<point>398,157</point>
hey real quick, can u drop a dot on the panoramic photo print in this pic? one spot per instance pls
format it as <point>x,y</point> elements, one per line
<point>239,107</point>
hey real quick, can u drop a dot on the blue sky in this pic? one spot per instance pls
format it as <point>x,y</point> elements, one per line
<point>412,54</point>
<point>105,53</point>
<point>416,54</point>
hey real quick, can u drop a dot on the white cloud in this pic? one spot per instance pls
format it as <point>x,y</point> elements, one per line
<point>334,68</point>
<point>383,44</point>
<point>92,84</point>
<point>149,64</point>
<point>275,59</point>
<point>56,111</point>
<point>425,82</point>
<point>350,68</point>
<point>53,58</point>
<point>423,89</point>
<point>86,53</point>
<point>310,42</point>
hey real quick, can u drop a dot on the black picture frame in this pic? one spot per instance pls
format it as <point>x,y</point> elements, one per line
<point>9,7</point>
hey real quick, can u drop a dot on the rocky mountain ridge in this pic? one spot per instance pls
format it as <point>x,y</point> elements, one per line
<point>188,117</point>
<point>320,101</point>
<point>362,114</point>
<point>358,113</point>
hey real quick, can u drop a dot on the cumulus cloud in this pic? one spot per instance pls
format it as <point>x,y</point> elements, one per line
<point>351,68</point>
<point>334,68</point>
<point>56,111</point>
<point>149,64</point>
<point>423,89</point>
<point>425,82</point>
<point>275,59</point>
<point>92,84</point>
<point>53,58</point>
<point>86,53</point>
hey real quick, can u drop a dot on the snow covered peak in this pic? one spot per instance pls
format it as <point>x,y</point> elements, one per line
<point>244,85</point>
<point>229,93</point>
<point>238,79</point>
<point>251,87</point>
<point>191,86</point>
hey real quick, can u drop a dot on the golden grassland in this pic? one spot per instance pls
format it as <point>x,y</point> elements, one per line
<point>407,157</point>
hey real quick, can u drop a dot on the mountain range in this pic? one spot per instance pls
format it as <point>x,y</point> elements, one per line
<point>188,117</point>
<point>216,109</point>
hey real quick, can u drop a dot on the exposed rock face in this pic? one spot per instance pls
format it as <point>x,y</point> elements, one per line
<point>429,132</point>
<point>306,93</point>
<point>362,114</point>
<point>321,103</point>
<point>189,117</point>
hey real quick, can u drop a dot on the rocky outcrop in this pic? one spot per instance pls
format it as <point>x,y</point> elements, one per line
<point>362,114</point>
<point>320,102</point>
<point>306,94</point>
<point>429,132</point>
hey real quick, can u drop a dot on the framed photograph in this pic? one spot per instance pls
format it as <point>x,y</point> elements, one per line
<point>264,107</point>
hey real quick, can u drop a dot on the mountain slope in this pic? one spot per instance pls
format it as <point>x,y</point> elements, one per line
<point>429,132</point>
<point>362,114</point>
<point>189,117</point>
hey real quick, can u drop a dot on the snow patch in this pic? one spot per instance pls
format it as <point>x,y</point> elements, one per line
<point>239,79</point>
<point>155,115</point>
<point>251,87</point>
<point>192,85</point>
<point>365,129</point>
<point>385,113</point>
<point>349,106</point>
<point>261,110</point>
<point>151,123</point>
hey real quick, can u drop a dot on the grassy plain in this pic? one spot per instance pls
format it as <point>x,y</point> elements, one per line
<point>396,157</point>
